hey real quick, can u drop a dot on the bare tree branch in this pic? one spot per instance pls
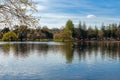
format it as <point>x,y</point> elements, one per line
<point>17,11</point>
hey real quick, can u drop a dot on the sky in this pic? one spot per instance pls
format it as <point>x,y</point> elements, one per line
<point>55,13</point>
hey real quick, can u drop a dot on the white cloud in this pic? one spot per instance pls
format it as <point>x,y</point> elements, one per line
<point>40,7</point>
<point>55,13</point>
<point>91,16</point>
<point>59,19</point>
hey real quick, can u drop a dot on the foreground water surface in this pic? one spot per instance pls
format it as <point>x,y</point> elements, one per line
<point>59,61</point>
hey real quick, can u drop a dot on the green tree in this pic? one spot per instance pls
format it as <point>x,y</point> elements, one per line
<point>70,26</point>
<point>79,31</point>
<point>47,32</point>
<point>113,30</point>
<point>84,31</point>
<point>96,32</point>
<point>90,33</point>
<point>67,35</point>
<point>108,32</point>
<point>117,33</point>
<point>5,30</point>
<point>10,36</point>
<point>102,32</point>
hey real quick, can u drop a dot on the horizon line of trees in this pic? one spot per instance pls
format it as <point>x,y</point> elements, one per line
<point>83,32</point>
<point>68,33</point>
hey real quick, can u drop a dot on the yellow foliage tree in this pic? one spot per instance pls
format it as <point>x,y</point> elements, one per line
<point>10,36</point>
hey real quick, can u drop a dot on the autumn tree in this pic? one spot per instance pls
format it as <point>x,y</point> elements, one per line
<point>65,35</point>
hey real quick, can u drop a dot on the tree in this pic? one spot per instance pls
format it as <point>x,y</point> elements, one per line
<point>10,36</point>
<point>21,31</point>
<point>100,34</point>
<point>90,33</point>
<point>117,33</point>
<point>65,35</point>
<point>47,32</point>
<point>108,32</point>
<point>79,31</point>
<point>84,33</point>
<point>113,30</point>
<point>96,32</point>
<point>57,36</point>
<point>16,10</point>
<point>84,26</point>
<point>4,30</point>
<point>70,26</point>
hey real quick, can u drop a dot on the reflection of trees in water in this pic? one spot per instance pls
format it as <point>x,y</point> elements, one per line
<point>68,52</point>
<point>5,48</point>
<point>104,49</point>
<point>21,50</point>
<point>83,50</point>
<point>110,49</point>
<point>42,49</point>
<point>24,50</point>
<point>18,50</point>
<point>90,50</point>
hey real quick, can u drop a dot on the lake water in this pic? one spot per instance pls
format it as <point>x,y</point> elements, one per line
<point>59,61</point>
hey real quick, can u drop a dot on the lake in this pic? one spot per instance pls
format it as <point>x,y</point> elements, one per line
<point>59,61</point>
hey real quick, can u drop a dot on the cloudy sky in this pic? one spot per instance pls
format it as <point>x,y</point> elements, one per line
<point>55,13</point>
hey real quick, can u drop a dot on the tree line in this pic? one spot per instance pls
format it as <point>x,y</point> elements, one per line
<point>15,12</point>
<point>68,33</point>
<point>83,32</point>
<point>24,33</point>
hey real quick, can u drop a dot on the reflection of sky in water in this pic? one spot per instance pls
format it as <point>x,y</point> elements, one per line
<point>52,61</point>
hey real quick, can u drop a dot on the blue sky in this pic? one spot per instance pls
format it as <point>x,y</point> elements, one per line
<point>55,13</point>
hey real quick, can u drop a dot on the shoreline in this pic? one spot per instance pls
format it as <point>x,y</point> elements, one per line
<point>63,41</point>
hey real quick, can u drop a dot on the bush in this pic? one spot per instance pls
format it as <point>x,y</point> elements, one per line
<point>9,36</point>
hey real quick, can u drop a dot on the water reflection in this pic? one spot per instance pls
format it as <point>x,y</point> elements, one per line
<point>82,51</point>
